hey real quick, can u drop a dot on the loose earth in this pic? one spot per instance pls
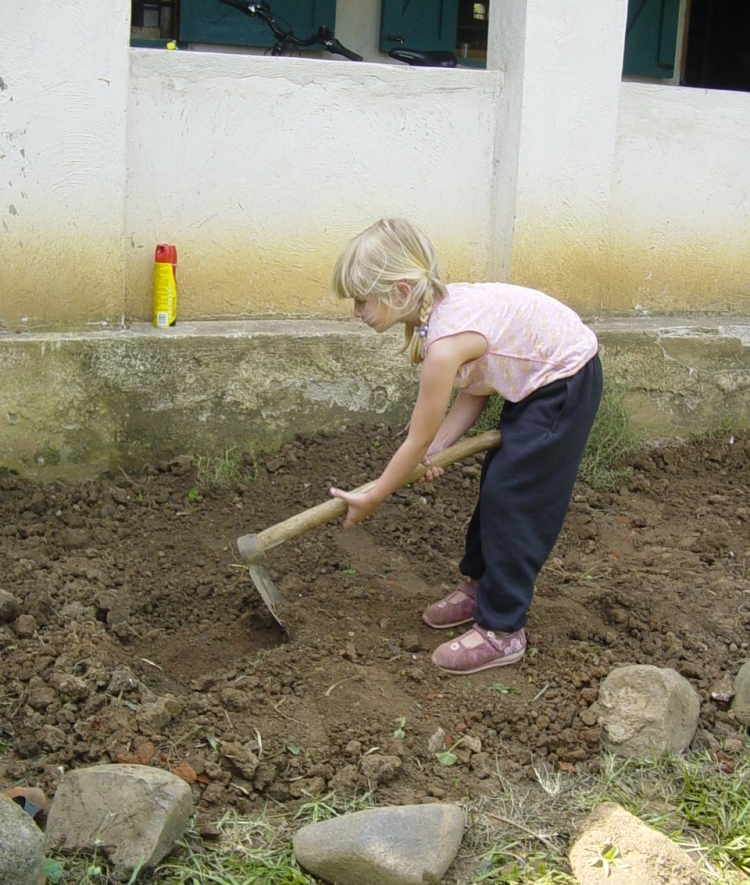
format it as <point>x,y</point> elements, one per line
<point>133,632</point>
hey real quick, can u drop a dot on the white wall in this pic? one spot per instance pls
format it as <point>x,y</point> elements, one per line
<point>64,70</point>
<point>562,99</point>
<point>260,168</point>
<point>545,169</point>
<point>680,206</point>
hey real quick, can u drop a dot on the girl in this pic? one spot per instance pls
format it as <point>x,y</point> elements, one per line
<point>481,338</point>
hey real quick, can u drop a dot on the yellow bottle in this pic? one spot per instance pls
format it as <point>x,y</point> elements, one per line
<point>165,286</point>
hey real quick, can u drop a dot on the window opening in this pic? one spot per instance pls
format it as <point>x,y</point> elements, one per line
<point>471,34</point>
<point>718,45</point>
<point>700,43</point>
<point>153,21</point>
<point>209,22</point>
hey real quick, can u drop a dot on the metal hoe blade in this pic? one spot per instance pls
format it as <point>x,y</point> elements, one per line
<point>269,592</point>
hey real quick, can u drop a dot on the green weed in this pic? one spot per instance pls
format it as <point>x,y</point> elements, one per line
<point>235,467</point>
<point>611,441</point>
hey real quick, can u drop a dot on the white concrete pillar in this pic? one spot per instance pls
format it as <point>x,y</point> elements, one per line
<point>63,101</point>
<point>556,134</point>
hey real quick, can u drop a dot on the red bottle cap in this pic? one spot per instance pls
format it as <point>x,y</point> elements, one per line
<point>166,254</point>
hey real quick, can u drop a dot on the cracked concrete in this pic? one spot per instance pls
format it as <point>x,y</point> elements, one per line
<point>77,404</point>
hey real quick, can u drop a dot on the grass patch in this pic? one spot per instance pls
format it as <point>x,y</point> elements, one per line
<point>610,442</point>
<point>237,466</point>
<point>518,836</point>
<point>521,837</point>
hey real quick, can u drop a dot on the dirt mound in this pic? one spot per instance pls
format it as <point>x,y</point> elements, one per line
<point>139,636</point>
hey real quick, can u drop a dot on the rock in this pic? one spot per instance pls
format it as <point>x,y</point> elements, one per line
<point>379,769</point>
<point>153,717</point>
<point>723,691</point>
<point>472,743</point>
<point>436,743</point>
<point>615,847</point>
<point>21,846</point>
<point>25,626</point>
<point>10,607</point>
<point>646,711</point>
<point>241,758</point>
<point>408,845</point>
<point>741,701</point>
<point>130,813</point>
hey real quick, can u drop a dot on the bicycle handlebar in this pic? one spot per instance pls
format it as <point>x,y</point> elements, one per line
<point>333,45</point>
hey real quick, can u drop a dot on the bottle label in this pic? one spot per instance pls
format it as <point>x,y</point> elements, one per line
<point>165,295</point>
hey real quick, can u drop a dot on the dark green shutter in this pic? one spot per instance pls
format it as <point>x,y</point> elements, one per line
<point>208,21</point>
<point>651,38</point>
<point>418,24</point>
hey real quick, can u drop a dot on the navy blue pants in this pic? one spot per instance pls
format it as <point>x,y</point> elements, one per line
<point>524,493</point>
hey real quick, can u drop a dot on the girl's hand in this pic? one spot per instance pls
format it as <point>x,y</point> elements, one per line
<point>433,472</point>
<point>359,506</point>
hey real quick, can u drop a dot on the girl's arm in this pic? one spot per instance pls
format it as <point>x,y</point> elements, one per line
<point>463,413</point>
<point>443,360</point>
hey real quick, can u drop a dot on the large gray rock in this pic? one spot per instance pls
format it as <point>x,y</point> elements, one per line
<point>130,813</point>
<point>21,846</point>
<point>646,711</point>
<point>613,846</point>
<point>405,845</point>
<point>741,702</point>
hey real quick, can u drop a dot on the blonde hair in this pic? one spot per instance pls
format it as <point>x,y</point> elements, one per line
<point>374,262</point>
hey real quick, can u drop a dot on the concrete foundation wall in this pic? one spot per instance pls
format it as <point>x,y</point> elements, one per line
<point>77,405</point>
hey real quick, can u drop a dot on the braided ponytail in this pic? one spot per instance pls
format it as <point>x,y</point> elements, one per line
<point>414,339</point>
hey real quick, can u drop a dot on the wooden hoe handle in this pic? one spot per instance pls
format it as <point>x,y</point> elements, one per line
<point>252,547</point>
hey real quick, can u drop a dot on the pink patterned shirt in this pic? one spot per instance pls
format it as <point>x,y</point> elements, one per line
<point>532,339</point>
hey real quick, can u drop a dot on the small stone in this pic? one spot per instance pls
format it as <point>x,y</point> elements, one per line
<point>25,626</point>
<point>473,743</point>
<point>436,743</point>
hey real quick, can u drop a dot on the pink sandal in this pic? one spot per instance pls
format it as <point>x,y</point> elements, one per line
<point>457,608</point>
<point>480,649</point>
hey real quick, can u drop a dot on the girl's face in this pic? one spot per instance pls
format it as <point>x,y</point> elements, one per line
<point>381,315</point>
